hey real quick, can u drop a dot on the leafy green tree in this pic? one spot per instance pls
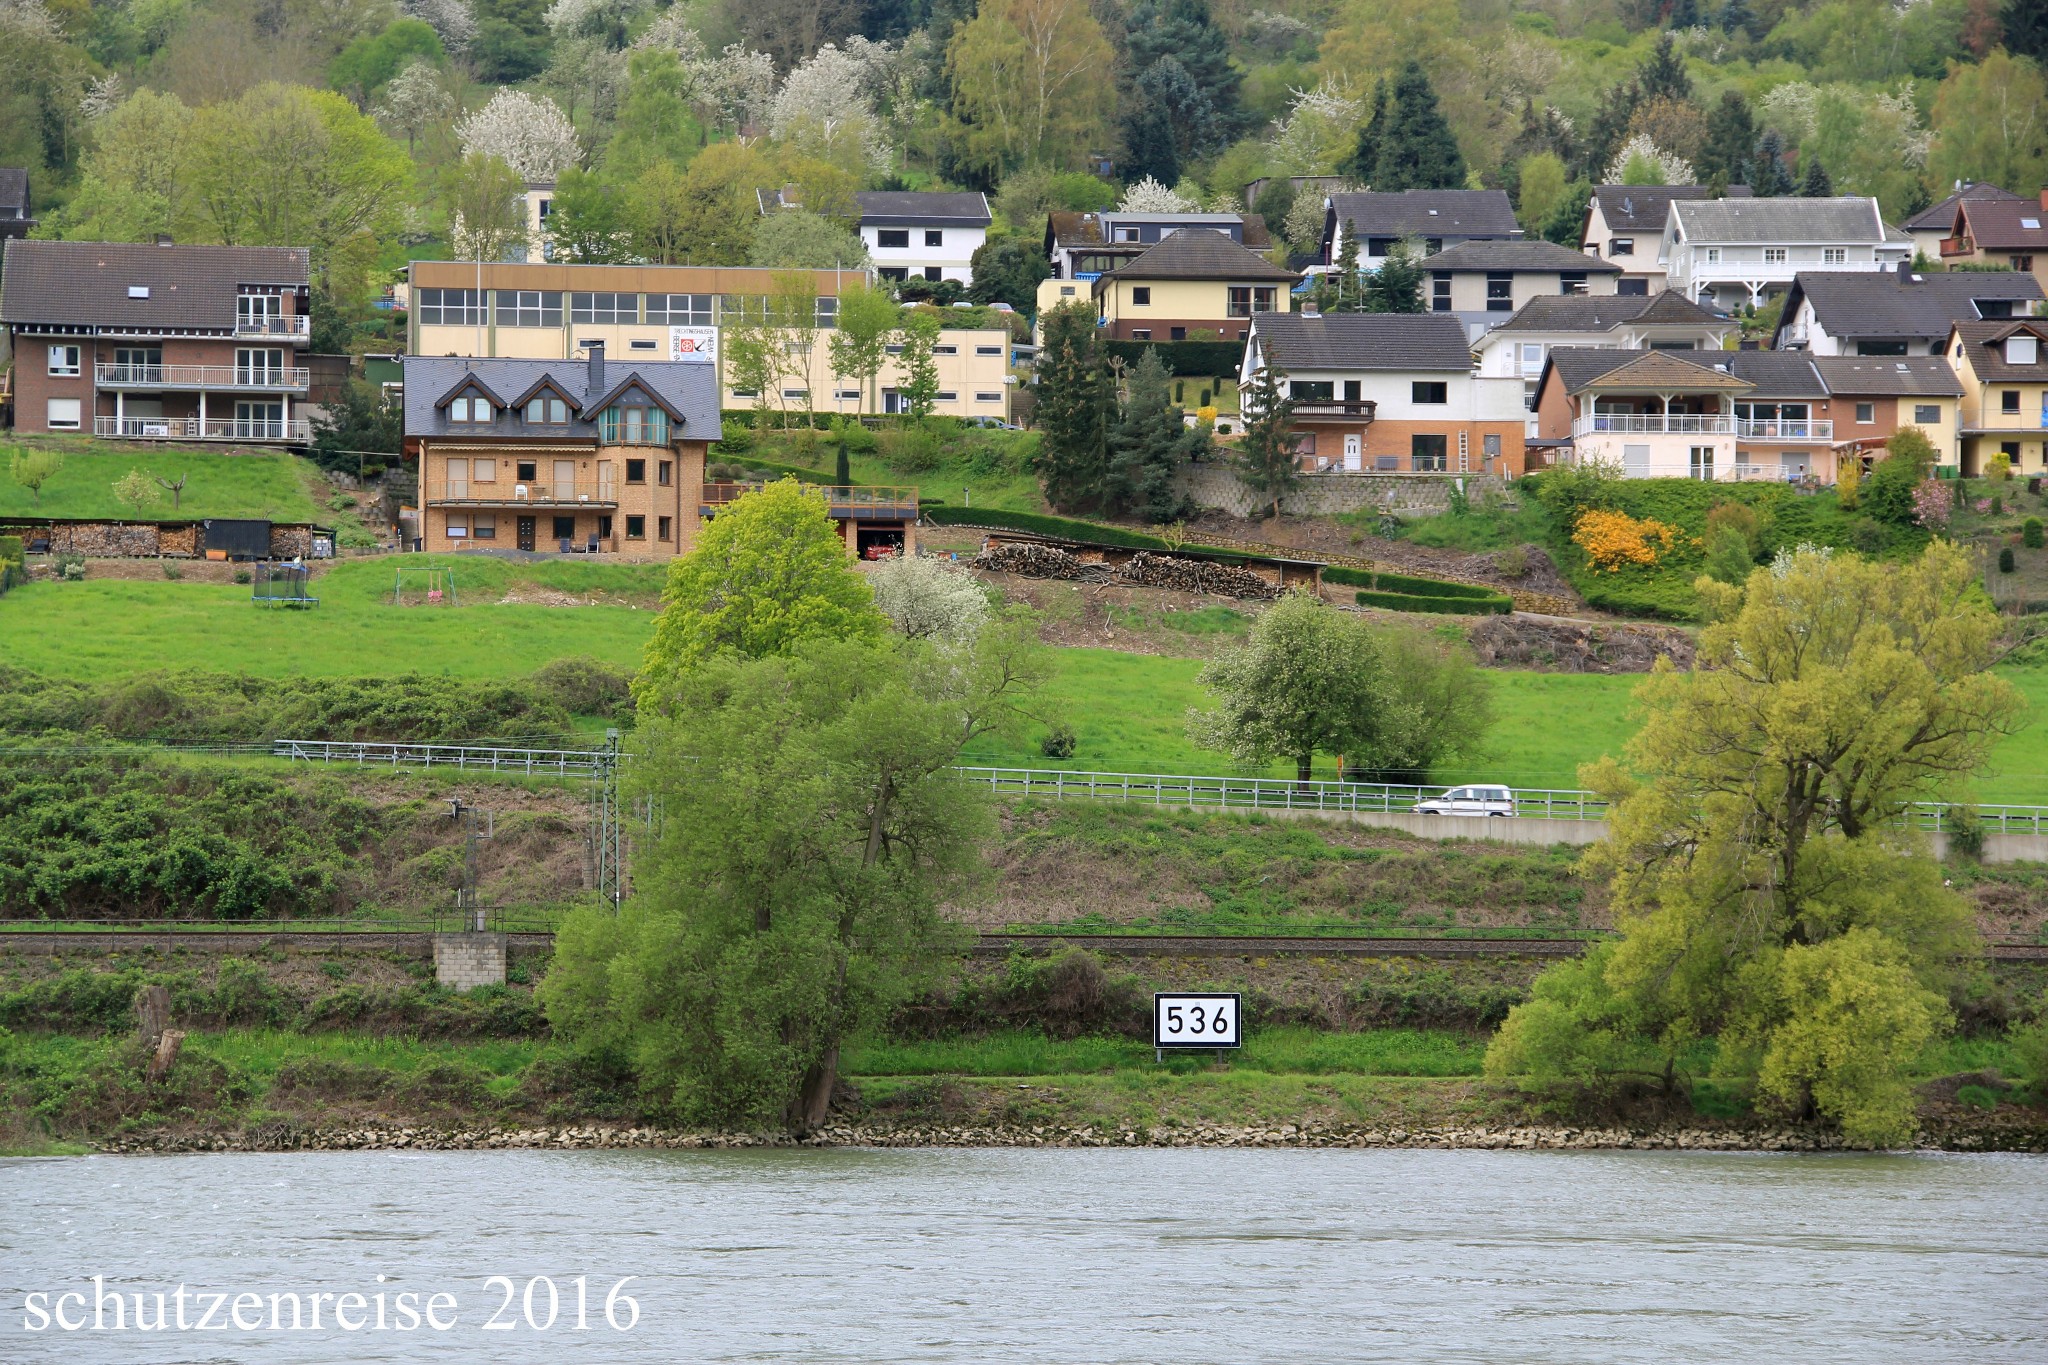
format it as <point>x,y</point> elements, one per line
<point>137,491</point>
<point>1445,705</point>
<point>1418,151</point>
<point>1151,443</point>
<point>1767,886</point>
<point>794,238</point>
<point>1991,119</point>
<point>1888,490</point>
<point>770,571</point>
<point>1076,407</point>
<point>586,220</point>
<point>859,344</point>
<point>34,468</point>
<point>655,122</point>
<point>1009,270</point>
<point>813,833</point>
<point>1033,83</point>
<point>1266,462</point>
<point>1309,680</point>
<point>486,213</point>
<point>707,216</point>
<point>919,386</point>
<point>1542,190</point>
<point>367,64</point>
<point>1568,222</point>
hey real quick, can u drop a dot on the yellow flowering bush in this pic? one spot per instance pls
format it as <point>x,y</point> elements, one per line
<point>1615,540</point>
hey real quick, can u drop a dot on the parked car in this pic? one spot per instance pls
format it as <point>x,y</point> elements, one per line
<point>1469,801</point>
<point>993,424</point>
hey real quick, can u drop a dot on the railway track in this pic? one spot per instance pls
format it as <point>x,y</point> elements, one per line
<point>26,940</point>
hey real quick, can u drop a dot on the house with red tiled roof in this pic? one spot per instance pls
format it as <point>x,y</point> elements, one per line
<point>2012,233</point>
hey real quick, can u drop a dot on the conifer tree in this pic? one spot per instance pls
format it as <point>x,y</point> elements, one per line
<point>1076,404</point>
<point>1396,287</point>
<point>1737,16</point>
<point>1345,275</point>
<point>1151,442</point>
<point>1767,175</point>
<point>1730,140</point>
<point>1365,159</point>
<point>1418,150</point>
<point>1815,183</point>
<point>1265,458</point>
<point>1663,76</point>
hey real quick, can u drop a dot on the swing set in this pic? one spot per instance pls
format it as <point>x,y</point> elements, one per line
<point>423,588</point>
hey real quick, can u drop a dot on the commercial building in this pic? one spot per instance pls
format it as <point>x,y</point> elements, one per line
<point>552,311</point>
<point>159,341</point>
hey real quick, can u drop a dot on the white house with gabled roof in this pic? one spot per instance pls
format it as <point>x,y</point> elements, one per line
<point>1730,252</point>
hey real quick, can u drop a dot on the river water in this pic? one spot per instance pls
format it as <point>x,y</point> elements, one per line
<point>1043,1255</point>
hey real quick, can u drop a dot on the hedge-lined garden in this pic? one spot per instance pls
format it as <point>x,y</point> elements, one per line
<point>1406,592</point>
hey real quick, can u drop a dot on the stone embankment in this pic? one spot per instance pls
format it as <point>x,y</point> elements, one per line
<point>417,1137</point>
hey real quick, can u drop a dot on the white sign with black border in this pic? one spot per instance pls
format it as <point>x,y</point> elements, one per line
<point>1197,1019</point>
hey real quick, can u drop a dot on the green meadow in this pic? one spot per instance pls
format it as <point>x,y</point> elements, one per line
<point>274,487</point>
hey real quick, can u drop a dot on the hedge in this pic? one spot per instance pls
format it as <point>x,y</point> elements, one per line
<point>13,565</point>
<point>1406,584</point>
<point>769,467</point>
<point>1494,604</point>
<point>1194,359</point>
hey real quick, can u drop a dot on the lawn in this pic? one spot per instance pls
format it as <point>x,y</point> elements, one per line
<point>269,486</point>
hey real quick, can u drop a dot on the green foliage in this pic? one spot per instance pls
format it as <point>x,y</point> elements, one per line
<point>1408,585</point>
<point>359,433</point>
<point>1076,407</point>
<point>2030,533</point>
<point>794,238</point>
<point>34,468</point>
<point>1888,491</point>
<point>1150,445</point>
<point>768,573</point>
<point>1266,462</point>
<point>1416,150</point>
<point>2006,562</point>
<point>1008,270</point>
<point>365,65</point>
<point>919,336</point>
<point>1195,359</point>
<point>1493,604</point>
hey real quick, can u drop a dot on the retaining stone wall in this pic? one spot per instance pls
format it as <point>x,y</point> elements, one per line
<point>462,962</point>
<point>1325,495</point>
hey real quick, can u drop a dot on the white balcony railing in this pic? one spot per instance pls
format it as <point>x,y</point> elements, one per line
<point>295,430</point>
<point>1654,424</point>
<point>288,377</point>
<point>1782,429</point>
<point>299,325</point>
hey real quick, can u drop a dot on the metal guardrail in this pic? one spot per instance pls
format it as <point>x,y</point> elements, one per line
<point>593,763</point>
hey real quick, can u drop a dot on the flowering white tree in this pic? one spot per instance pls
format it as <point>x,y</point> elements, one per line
<point>593,18</point>
<point>1305,219</point>
<point>928,598</point>
<point>451,20</point>
<point>28,19</point>
<point>1318,130</point>
<point>413,100</point>
<point>529,133</point>
<point>1149,196</point>
<point>1640,159</point>
<point>739,84</point>
<point>823,109</point>
<point>101,96</point>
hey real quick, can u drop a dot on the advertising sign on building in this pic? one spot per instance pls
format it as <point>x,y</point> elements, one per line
<point>693,343</point>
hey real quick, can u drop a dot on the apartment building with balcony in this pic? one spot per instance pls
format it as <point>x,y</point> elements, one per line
<point>1083,247</point>
<point>1194,281</point>
<point>922,234</point>
<point>2003,370</point>
<point>1896,312</point>
<point>1378,393</point>
<point>556,311</point>
<point>1625,223</point>
<point>1871,397</point>
<point>1483,283</point>
<point>2012,233</point>
<point>1650,414</point>
<point>155,341</point>
<point>1731,253</point>
<point>1784,424</point>
<point>1666,321</point>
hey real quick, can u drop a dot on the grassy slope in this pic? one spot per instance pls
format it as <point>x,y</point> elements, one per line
<point>269,486</point>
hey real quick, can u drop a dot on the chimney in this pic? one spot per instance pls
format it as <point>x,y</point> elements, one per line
<point>1906,267</point>
<point>596,367</point>
<point>2044,196</point>
<point>164,238</point>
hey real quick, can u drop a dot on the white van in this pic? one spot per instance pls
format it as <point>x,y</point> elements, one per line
<point>1469,801</point>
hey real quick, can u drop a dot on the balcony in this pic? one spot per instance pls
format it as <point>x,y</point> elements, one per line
<point>289,379</point>
<point>1957,246</point>
<point>1654,424</point>
<point>1796,430</point>
<point>600,494</point>
<point>880,503</point>
<point>1312,409</point>
<point>296,431</point>
<point>298,325</point>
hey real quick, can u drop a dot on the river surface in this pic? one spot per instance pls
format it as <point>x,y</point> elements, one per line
<point>1045,1255</point>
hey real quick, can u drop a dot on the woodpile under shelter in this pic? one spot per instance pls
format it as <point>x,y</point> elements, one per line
<point>231,538</point>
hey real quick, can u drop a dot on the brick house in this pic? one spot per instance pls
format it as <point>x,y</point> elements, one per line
<point>1195,280</point>
<point>1388,392</point>
<point>158,341</point>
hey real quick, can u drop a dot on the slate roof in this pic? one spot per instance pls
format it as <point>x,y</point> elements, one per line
<point>1428,213</point>
<point>1885,303</point>
<point>1582,368</point>
<point>1605,312</point>
<point>891,207</point>
<point>2001,224</point>
<point>1073,228</point>
<point>688,389</point>
<point>1777,374</point>
<point>1941,217</point>
<point>1531,253</point>
<point>1888,375</point>
<point>86,284</point>
<point>1197,254</point>
<point>1845,218</point>
<point>1642,209</point>
<point>1363,341</point>
<point>14,189</point>
<point>1987,357</point>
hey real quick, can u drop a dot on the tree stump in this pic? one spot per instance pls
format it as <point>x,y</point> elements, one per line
<point>152,1013</point>
<point>166,1053</point>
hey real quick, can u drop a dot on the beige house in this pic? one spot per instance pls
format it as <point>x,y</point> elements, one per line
<point>544,311</point>
<point>1625,223</point>
<point>1483,283</point>
<point>2003,370</point>
<point>1196,281</point>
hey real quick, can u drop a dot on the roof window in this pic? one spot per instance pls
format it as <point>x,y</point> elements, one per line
<point>138,291</point>
<point>2031,224</point>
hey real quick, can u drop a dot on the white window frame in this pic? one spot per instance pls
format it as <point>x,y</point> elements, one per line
<point>66,362</point>
<point>56,423</point>
<point>1775,255</point>
<point>1834,255</point>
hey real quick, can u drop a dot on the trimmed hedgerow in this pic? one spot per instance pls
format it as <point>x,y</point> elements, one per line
<point>1495,605</point>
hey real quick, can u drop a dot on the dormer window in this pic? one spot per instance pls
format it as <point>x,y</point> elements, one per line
<point>547,410</point>
<point>2022,350</point>
<point>633,425</point>
<point>470,408</point>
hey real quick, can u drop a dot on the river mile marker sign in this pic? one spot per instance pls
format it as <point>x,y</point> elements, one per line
<point>1197,1019</point>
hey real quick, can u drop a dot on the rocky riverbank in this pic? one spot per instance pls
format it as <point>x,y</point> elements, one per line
<point>274,1137</point>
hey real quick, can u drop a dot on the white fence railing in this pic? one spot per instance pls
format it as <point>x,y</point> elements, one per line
<point>118,376</point>
<point>1785,429</point>
<point>299,325</point>
<point>464,757</point>
<point>1652,424</point>
<point>296,430</point>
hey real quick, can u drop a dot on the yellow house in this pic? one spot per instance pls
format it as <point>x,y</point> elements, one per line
<point>1196,280</point>
<point>546,311</point>
<point>2003,367</point>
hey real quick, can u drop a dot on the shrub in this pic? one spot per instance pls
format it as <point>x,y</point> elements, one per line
<point>1866,537</point>
<point>1849,484</point>
<point>1512,562</point>
<point>1998,468</point>
<point>583,687</point>
<point>241,575</point>
<point>173,572</point>
<point>2030,533</point>
<point>857,439</point>
<point>1060,741</point>
<point>1998,505</point>
<point>1740,518</point>
<point>1494,604</point>
<point>1615,540</point>
<point>913,448</point>
<point>2005,563</point>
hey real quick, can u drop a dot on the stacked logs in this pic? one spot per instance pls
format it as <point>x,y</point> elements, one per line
<point>1143,569</point>
<point>1041,561</point>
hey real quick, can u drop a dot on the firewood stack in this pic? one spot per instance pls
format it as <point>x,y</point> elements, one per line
<point>1194,575</point>
<point>1041,561</point>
